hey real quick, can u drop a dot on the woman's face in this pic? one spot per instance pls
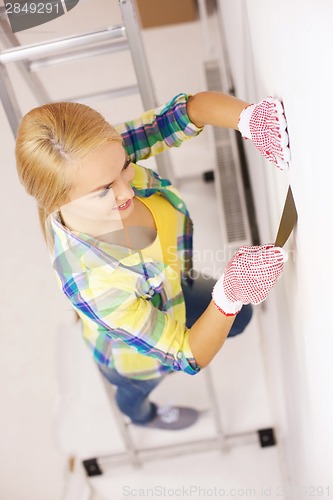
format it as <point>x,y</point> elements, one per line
<point>101,189</point>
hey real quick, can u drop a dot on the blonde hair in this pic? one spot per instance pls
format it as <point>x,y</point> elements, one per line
<point>51,140</point>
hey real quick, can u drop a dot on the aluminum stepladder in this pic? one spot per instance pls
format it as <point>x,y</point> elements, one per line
<point>28,59</point>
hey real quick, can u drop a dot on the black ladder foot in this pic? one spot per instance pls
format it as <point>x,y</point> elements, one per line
<point>267,437</point>
<point>92,467</point>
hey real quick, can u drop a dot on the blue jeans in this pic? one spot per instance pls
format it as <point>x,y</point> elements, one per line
<point>132,395</point>
<point>197,300</point>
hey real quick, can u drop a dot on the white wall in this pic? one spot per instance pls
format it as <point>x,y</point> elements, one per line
<point>284,49</point>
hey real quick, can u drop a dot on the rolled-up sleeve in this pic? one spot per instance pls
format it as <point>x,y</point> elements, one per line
<point>158,129</point>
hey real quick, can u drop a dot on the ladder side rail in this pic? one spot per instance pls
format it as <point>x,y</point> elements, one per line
<point>215,409</point>
<point>34,83</point>
<point>141,67</point>
<point>123,428</point>
<point>9,101</point>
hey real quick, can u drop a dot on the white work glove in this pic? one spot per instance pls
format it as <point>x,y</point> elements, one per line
<point>249,276</point>
<point>265,124</point>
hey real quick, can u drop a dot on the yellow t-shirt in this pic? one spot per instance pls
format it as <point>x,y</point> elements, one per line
<point>164,247</point>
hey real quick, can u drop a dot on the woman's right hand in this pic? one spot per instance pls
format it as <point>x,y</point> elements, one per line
<point>265,124</point>
<point>249,276</point>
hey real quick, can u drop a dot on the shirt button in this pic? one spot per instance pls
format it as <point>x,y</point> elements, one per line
<point>180,205</point>
<point>179,355</point>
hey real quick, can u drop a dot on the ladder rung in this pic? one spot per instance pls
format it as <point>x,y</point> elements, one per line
<point>78,54</point>
<point>53,46</point>
<point>105,94</point>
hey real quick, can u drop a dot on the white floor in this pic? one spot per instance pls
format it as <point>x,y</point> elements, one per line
<point>54,406</point>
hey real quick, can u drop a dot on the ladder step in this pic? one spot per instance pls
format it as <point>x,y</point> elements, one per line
<point>105,94</point>
<point>78,54</point>
<point>48,48</point>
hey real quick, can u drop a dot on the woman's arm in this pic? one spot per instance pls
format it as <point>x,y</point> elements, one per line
<point>264,123</point>
<point>157,130</point>
<point>249,276</point>
<point>208,333</point>
<point>184,117</point>
<point>213,108</point>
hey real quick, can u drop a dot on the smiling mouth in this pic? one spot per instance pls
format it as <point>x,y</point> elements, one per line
<point>123,206</point>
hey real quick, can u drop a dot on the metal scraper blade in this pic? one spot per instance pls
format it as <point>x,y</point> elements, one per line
<point>288,220</point>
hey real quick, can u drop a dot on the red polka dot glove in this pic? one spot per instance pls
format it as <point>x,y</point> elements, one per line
<point>250,275</point>
<point>265,124</point>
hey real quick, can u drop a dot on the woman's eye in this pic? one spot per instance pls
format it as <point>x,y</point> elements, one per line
<point>107,189</point>
<point>104,192</point>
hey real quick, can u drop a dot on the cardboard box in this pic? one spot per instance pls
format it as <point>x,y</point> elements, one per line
<point>163,12</point>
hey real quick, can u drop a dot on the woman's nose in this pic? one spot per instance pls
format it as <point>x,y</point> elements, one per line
<point>124,192</point>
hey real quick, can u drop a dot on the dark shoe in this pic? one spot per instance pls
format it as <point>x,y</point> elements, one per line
<point>172,418</point>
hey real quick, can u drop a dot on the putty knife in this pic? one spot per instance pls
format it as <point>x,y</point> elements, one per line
<point>288,220</point>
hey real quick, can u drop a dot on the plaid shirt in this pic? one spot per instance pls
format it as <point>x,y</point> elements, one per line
<point>133,316</point>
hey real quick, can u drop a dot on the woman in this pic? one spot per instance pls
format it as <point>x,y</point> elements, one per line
<point>120,239</point>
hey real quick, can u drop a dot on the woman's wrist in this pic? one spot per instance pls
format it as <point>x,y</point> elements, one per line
<point>220,300</point>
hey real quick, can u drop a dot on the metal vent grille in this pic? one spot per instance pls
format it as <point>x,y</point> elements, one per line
<point>228,178</point>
